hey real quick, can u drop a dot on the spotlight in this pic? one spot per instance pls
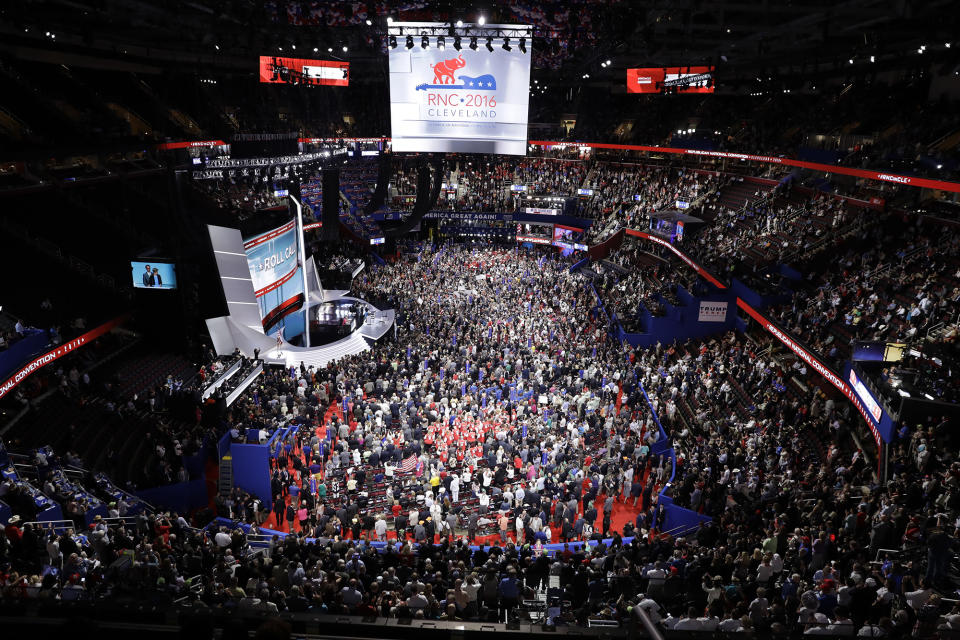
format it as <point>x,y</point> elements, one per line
<point>473,43</point>
<point>456,43</point>
<point>506,45</point>
<point>441,43</point>
<point>369,23</point>
<point>490,44</point>
<point>389,20</point>
<point>873,59</point>
<point>345,49</point>
<point>315,49</point>
<point>482,21</point>
<point>523,45</point>
<point>409,42</point>
<point>459,23</point>
<point>392,41</point>
<point>608,63</point>
<point>424,42</point>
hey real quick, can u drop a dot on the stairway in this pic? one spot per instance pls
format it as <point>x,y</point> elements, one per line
<point>320,356</point>
<point>225,480</point>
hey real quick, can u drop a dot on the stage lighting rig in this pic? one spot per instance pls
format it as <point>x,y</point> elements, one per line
<point>473,43</point>
<point>506,45</point>
<point>424,42</point>
<point>409,42</point>
<point>490,44</point>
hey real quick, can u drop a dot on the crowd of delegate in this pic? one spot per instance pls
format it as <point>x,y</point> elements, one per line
<point>501,414</point>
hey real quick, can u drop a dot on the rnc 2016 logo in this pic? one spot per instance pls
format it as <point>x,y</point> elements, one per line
<point>455,96</point>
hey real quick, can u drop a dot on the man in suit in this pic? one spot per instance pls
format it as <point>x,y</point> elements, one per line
<point>147,277</point>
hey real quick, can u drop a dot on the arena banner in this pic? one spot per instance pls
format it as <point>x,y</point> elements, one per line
<point>56,353</point>
<point>284,70</point>
<point>658,79</point>
<point>467,101</point>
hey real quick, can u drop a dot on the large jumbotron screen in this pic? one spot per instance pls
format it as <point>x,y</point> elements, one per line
<point>467,101</point>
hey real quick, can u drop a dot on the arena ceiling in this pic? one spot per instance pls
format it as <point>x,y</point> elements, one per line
<point>741,38</point>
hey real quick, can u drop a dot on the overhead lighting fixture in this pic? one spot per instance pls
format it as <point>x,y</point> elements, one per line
<point>481,21</point>
<point>608,63</point>
<point>946,44</point>
<point>850,60</point>
<point>523,45</point>
<point>473,43</point>
<point>490,44</point>
<point>456,43</point>
<point>424,42</point>
<point>345,49</point>
<point>294,47</point>
<point>459,23</point>
<point>392,40</point>
<point>369,22</point>
<point>217,47</point>
<point>506,45</point>
<point>389,20</point>
<point>409,42</point>
<point>873,59</point>
<point>441,43</point>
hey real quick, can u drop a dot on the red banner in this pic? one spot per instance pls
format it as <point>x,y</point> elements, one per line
<point>57,353</point>
<point>186,145</point>
<point>658,79</point>
<point>706,275</point>
<point>829,374</point>
<point>281,70</point>
<point>882,176</point>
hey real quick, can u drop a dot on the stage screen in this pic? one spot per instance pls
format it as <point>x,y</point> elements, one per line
<point>153,274</point>
<point>444,100</point>
<point>655,79</point>
<point>282,70</point>
<point>535,233</point>
<point>274,264</point>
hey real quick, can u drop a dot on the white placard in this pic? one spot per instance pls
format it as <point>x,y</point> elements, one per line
<point>444,100</point>
<point>713,312</point>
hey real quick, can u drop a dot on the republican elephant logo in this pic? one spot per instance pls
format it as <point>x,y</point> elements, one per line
<point>443,71</point>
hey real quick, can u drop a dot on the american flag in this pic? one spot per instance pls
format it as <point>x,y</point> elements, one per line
<point>408,464</point>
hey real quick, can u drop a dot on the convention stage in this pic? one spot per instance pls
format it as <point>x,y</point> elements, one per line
<point>375,324</point>
<point>342,324</point>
